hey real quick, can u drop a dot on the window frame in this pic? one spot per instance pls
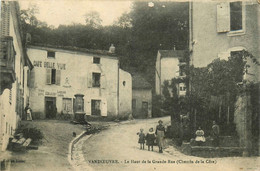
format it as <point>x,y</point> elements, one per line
<point>53,76</point>
<point>96,58</point>
<point>94,74</point>
<point>51,56</point>
<point>93,110</point>
<point>243,30</point>
<point>71,101</point>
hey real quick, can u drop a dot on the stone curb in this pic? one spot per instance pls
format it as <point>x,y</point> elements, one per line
<point>72,143</point>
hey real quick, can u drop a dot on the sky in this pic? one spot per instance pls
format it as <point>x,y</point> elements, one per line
<point>56,12</point>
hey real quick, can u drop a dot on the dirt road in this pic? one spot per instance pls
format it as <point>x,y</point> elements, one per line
<point>117,149</point>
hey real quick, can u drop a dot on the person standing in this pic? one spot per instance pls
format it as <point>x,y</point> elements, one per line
<point>150,138</point>
<point>160,133</point>
<point>215,134</point>
<point>141,139</point>
<point>28,112</point>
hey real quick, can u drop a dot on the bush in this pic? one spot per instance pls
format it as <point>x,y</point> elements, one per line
<point>33,133</point>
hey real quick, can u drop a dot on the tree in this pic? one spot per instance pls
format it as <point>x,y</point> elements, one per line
<point>93,19</point>
<point>28,15</point>
<point>124,21</point>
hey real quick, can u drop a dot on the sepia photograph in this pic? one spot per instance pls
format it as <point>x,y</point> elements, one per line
<point>129,85</point>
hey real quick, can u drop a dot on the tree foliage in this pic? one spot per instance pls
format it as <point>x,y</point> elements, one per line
<point>137,35</point>
<point>93,19</point>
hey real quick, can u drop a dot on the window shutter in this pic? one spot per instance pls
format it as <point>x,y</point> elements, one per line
<point>58,75</point>
<point>5,22</point>
<point>48,76</point>
<point>88,107</point>
<point>223,17</point>
<point>89,79</point>
<point>104,107</point>
<point>103,81</point>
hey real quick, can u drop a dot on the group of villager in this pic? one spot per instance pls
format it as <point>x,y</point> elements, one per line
<point>152,138</point>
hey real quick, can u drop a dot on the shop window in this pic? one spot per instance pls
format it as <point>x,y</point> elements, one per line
<point>96,60</point>
<point>53,76</point>
<point>96,79</point>
<point>67,105</point>
<point>95,107</point>
<point>50,54</point>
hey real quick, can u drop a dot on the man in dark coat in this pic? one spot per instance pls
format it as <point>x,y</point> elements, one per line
<point>215,134</point>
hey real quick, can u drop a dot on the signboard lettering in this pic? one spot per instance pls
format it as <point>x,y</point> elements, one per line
<point>51,65</point>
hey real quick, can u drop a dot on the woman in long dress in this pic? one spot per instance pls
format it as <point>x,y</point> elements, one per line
<point>200,139</point>
<point>160,134</point>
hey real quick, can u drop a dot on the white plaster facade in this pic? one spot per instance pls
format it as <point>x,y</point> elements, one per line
<point>12,100</point>
<point>142,101</point>
<point>212,36</point>
<point>74,75</point>
<point>168,67</point>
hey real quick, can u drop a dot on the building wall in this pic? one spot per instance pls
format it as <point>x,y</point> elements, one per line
<point>76,78</point>
<point>167,69</point>
<point>158,74</point>
<point>125,93</point>
<point>210,44</point>
<point>11,101</point>
<point>140,96</point>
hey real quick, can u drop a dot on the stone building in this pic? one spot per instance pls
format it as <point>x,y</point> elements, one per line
<point>61,73</point>
<point>15,67</point>
<point>217,31</point>
<point>142,97</point>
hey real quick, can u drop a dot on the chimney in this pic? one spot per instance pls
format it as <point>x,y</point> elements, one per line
<point>112,49</point>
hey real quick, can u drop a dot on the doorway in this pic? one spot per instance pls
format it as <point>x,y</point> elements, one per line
<point>50,107</point>
<point>145,109</point>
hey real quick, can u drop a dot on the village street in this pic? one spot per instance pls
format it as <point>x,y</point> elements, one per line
<point>119,143</point>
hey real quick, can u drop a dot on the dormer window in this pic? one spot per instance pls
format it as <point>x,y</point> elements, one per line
<point>96,60</point>
<point>50,54</point>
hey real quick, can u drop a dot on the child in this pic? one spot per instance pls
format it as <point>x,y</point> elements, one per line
<point>150,138</point>
<point>141,140</point>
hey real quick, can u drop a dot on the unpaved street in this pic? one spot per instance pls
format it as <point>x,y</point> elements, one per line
<point>119,143</point>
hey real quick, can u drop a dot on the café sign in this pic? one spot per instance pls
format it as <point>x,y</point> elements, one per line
<point>52,65</point>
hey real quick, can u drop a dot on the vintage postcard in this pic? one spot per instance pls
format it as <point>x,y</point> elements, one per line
<point>129,85</point>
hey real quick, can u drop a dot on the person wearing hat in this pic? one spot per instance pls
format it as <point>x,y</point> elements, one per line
<point>150,138</point>
<point>160,133</point>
